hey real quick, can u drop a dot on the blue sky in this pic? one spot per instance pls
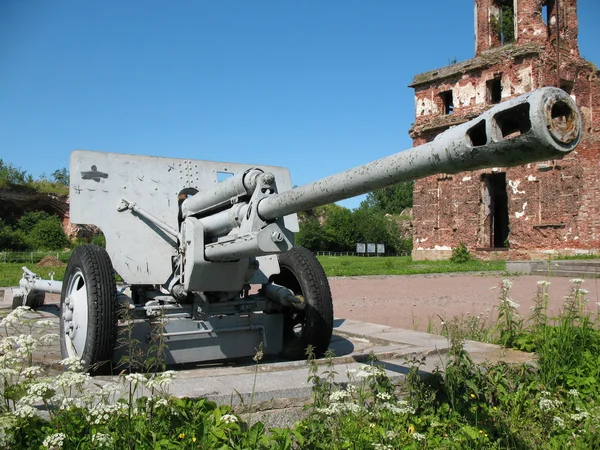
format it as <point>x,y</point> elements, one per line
<point>315,86</point>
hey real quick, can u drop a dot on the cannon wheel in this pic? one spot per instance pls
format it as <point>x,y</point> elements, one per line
<point>302,273</point>
<point>88,304</point>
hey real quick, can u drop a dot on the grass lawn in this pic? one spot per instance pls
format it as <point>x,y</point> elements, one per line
<point>399,265</point>
<point>10,273</point>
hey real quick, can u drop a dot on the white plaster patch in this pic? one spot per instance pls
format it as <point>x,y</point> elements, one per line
<point>424,106</point>
<point>524,81</point>
<point>519,214</point>
<point>538,32</point>
<point>514,185</point>
<point>464,94</point>
<point>530,178</point>
<point>442,247</point>
<point>422,240</point>
<point>466,179</point>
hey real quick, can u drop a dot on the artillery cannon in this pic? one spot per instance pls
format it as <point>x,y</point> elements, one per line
<point>211,264</point>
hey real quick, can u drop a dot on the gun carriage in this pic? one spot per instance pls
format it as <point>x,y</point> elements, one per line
<point>212,264</point>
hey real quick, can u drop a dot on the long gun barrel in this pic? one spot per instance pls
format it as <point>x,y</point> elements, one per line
<point>544,124</point>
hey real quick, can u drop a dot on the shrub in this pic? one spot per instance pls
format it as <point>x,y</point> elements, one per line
<point>461,254</point>
<point>44,232</point>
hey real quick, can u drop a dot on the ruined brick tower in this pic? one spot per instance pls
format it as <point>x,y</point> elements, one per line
<point>522,212</point>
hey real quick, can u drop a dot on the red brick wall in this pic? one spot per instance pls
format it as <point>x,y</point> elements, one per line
<point>553,206</point>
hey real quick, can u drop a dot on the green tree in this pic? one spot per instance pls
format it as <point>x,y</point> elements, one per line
<point>11,175</point>
<point>391,200</point>
<point>11,239</point>
<point>312,235</point>
<point>43,231</point>
<point>61,176</point>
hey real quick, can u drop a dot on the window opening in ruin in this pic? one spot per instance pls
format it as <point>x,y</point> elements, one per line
<point>496,209</point>
<point>566,86</point>
<point>494,90</point>
<point>545,13</point>
<point>447,102</point>
<point>502,21</point>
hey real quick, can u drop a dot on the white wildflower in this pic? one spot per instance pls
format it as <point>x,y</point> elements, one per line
<point>102,413</point>
<point>136,378</point>
<point>163,402</point>
<point>7,372</point>
<point>54,441</point>
<point>30,372</point>
<point>583,291</point>
<point>418,436</point>
<point>378,446</point>
<point>547,404</point>
<point>543,283</point>
<point>48,339</point>
<point>10,359</point>
<point>229,418</point>
<point>102,440</point>
<point>391,435</point>
<point>512,304</point>
<point>45,323</point>
<point>580,416</point>
<point>383,396</point>
<point>573,393</point>
<point>110,388</point>
<point>338,396</point>
<point>576,280</point>
<point>26,344</point>
<point>161,380</point>
<point>7,344</point>
<point>68,380</point>
<point>545,394</point>
<point>506,284</point>
<point>559,422</point>
<point>25,411</point>
<point>350,371</point>
<point>72,363</point>
<point>401,408</point>
<point>15,316</point>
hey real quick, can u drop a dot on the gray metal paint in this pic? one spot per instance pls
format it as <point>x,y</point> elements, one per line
<point>451,152</point>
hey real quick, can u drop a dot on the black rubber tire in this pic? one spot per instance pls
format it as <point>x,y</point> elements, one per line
<point>302,273</point>
<point>93,264</point>
<point>34,300</point>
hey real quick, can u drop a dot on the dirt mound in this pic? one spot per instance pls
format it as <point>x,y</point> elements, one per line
<point>50,261</point>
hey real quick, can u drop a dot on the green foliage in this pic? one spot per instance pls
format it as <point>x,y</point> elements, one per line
<point>553,404</point>
<point>503,25</point>
<point>14,177</point>
<point>61,176</point>
<point>11,175</point>
<point>338,229</point>
<point>99,240</point>
<point>460,254</point>
<point>391,200</point>
<point>12,239</point>
<point>44,231</point>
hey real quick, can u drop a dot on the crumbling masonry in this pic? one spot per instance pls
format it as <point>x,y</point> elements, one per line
<point>521,212</point>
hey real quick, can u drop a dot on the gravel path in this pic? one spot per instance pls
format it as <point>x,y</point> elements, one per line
<point>412,301</point>
<point>417,301</point>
